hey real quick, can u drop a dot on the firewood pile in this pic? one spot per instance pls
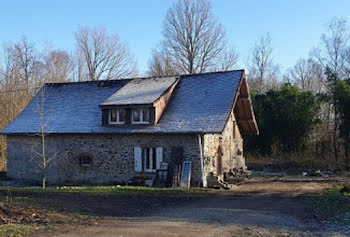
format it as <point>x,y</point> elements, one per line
<point>15,215</point>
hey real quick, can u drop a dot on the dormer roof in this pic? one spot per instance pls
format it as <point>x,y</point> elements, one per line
<point>140,91</point>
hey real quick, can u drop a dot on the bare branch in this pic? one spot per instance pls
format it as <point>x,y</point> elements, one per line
<point>308,74</point>
<point>104,56</point>
<point>58,66</point>
<point>335,45</point>
<point>262,71</point>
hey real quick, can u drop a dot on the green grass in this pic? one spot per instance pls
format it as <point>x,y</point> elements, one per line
<point>116,190</point>
<point>334,205</point>
<point>15,230</point>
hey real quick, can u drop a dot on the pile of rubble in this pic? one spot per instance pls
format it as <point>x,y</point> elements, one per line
<point>237,175</point>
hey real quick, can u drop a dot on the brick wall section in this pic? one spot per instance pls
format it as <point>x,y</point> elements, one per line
<point>161,103</point>
<point>2,153</point>
<point>232,148</point>
<point>113,158</point>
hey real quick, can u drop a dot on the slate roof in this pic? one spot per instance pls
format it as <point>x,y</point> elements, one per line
<point>140,91</point>
<point>200,104</point>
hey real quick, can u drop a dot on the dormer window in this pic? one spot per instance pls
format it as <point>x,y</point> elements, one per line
<point>140,116</point>
<point>144,102</point>
<point>116,116</point>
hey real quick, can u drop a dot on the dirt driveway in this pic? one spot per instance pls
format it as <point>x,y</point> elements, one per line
<point>255,209</point>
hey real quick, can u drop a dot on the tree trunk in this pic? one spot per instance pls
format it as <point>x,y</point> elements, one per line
<point>346,147</point>
<point>44,160</point>
<point>44,182</point>
<point>335,145</point>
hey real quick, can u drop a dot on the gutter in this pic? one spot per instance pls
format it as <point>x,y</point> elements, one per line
<point>204,181</point>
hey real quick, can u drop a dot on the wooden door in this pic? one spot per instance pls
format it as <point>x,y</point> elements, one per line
<point>219,160</point>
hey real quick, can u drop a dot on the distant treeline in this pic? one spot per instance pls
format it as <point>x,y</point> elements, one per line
<point>300,125</point>
<point>305,113</point>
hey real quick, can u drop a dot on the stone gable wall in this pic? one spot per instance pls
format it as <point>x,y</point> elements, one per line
<point>232,148</point>
<point>113,156</point>
<point>2,153</point>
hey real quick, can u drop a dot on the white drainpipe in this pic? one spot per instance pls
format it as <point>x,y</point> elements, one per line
<point>204,181</point>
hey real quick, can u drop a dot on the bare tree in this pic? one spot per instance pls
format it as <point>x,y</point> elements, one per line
<point>25,59</point>
<point>193,40</point>
<point>308,74</point>
<point>335,47</point>
<point>347,64</point>
<point>161,64</point>
<point>26,63</point>
<point>79,71</point>
<point>262,70</point>
<point>16,81</point>
<point>58,66</point>
<point>39,150</point>
<point>228,60</point>
<point>333,55</point>
<point>104,55</point>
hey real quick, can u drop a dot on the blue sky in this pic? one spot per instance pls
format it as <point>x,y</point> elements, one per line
<point>295,26</point>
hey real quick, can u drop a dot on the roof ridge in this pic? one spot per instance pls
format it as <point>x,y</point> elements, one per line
<point>83,82</point>
<point>135,78</point>
<point>106,80</point>
<point>215,72</point>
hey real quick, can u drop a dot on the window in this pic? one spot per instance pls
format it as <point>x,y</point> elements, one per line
<point>149,159</point>
<point>116,116</point>
<point>140,116</point>
<point>85,160</point>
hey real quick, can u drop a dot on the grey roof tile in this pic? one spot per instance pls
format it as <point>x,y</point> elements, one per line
<point>200,104</point>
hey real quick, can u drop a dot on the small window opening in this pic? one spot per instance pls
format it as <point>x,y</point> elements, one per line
<point>85,160</point>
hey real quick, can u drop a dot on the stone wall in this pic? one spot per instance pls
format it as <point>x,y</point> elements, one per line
<point>231,144</point>
<point>113,158</point>
<point>2,153</point>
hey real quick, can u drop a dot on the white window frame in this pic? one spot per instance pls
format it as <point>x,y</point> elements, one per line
<point>154,154</point>
<point>150,151</point>
<point>117,114</point>
<point>141,116</point>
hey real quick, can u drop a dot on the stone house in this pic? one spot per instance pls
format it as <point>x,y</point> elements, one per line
<point>113,131</point>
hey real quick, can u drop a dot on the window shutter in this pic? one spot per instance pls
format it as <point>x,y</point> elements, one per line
<point>137,159</point>
<point>105,114</point>
<point>159,156</point>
